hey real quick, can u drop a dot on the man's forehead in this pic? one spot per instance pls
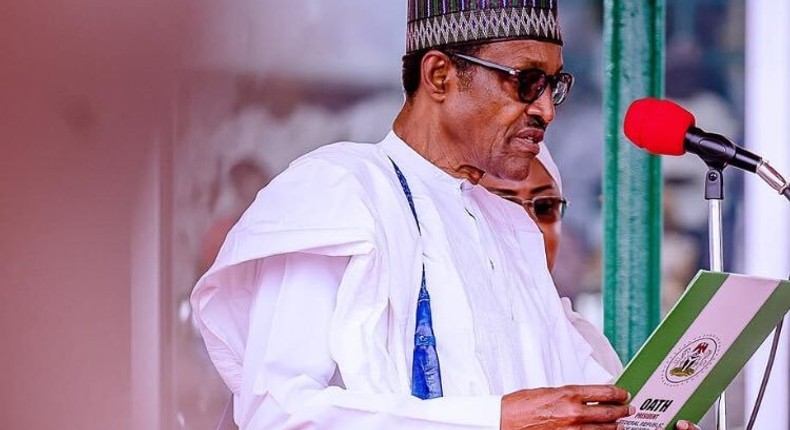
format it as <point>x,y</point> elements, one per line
<point>525,54</point>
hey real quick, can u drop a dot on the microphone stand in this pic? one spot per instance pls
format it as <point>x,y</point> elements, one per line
<point>714,194</point>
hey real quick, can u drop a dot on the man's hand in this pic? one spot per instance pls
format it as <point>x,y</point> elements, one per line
<point>588,407</point>
<point>685,425</point>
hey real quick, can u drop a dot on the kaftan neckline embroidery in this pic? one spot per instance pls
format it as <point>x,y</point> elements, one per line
<point>426,378</point>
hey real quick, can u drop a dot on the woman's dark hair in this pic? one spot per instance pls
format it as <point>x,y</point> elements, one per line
<point>412,62</point>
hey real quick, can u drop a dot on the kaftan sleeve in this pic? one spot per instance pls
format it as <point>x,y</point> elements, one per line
<point>602,351</point>
<point>290,380</point>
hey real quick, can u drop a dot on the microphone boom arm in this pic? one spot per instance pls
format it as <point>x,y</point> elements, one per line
<point>718,151</point>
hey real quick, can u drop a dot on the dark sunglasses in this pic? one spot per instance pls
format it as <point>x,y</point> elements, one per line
<point>548,209</point>
<point>531,82</point>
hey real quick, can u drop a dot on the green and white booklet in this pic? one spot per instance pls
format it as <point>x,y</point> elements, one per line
<point>700,346</point>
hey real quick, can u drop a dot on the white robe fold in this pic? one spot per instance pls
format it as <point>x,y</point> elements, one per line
<point>309,311</point>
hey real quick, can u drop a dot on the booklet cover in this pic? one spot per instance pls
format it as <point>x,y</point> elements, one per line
<point>696,351</point>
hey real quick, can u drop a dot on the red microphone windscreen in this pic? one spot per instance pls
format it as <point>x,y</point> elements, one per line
<point>657,126</point>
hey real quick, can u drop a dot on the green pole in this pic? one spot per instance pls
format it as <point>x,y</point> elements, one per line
<point>633,57</point>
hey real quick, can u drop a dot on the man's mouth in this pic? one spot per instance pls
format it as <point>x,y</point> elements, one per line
<point>529,140</point>
<point>533,134</point>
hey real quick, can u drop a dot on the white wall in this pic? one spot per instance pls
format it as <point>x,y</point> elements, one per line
<point>767,227</point>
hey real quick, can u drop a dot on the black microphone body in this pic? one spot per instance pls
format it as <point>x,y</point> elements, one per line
<point>717,150</point>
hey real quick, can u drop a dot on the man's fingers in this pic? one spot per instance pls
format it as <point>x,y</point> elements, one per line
<point>578,407</point>
<point>600,393</point>
<point>602,413</point>
<point>685,425</point>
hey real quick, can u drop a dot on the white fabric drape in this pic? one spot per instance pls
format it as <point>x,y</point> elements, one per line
<point>309,311</point>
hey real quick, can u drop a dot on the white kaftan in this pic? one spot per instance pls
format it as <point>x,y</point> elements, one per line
<point>309,311</point>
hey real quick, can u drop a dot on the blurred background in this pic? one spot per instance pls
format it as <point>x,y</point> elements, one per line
<point>134,134</point>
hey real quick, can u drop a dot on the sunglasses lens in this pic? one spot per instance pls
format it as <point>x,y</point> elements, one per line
<point>531,84</point>
<point>548,209</point>
<point>561,88</point>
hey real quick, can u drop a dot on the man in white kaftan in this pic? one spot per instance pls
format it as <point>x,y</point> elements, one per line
<point>309,311</point>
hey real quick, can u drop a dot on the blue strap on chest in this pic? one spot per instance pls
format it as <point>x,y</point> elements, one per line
<point>426,378</point>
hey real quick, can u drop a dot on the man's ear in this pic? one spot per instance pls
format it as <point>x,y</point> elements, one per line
<point>436,70</point>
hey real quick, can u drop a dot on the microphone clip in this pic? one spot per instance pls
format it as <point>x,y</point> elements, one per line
<point>714,181</point>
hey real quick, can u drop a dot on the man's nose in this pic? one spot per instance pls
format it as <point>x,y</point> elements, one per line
<point>543,107</point>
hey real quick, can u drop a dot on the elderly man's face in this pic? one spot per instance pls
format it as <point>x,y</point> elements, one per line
<point>496,130</point>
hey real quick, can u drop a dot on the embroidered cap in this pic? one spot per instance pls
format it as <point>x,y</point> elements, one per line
<point>437,23</point>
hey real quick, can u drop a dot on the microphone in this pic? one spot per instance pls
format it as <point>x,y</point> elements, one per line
<point>662,127</point>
